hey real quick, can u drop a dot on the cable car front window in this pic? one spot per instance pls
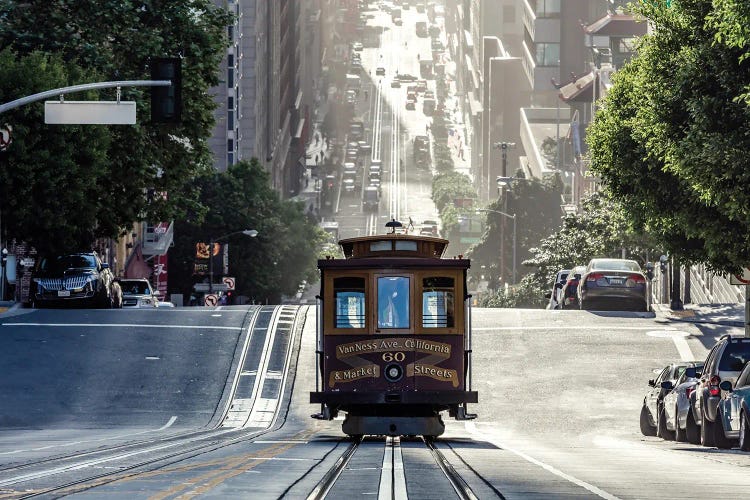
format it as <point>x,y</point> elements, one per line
<point>438,302</point>
<point>349,295</point>
<point>393,302</point>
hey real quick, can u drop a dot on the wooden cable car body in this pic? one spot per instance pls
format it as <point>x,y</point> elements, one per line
<point>393,336</point>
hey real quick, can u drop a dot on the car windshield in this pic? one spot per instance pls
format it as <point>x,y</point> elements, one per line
<point>65,262</point>
<point>134,287</point>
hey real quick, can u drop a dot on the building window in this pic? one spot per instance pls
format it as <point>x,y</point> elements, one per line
<point>230,145</point>
<point>626,45</point>
<point>230,102</point>
<point>509,14</point>
<point>230,78</point>
<point>230,120</point>
<point>547,54</point>
<point>230,60</point>
<point>230,32</point>
<point>547,8</point>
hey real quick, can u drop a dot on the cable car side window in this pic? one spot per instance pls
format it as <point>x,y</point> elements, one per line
<point>393,302</point>
<point>438,302</point>
<point>349,296</point>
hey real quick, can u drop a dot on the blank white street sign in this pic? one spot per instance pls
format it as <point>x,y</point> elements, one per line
<point>89,113</point>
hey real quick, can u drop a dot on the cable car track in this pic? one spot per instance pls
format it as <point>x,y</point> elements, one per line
<point>393,472</point>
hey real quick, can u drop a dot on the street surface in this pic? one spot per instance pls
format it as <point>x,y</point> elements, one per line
<point>214,403</point>
<point>406,189</point>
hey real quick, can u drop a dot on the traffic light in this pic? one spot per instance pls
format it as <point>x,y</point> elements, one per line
<point>166,102</point>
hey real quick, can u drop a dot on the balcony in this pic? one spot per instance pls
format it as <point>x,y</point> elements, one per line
<point>539,76</point>
<point>157,238</point>
<point>541,29</point>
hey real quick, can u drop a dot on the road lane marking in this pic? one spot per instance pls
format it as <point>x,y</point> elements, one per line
<point>126,325</point>
<point>581,327</point>
<point>471,427</point>
<point>85,441</point>
<point>679,339</point>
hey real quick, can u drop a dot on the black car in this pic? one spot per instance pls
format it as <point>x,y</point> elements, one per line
<point>80,278</point>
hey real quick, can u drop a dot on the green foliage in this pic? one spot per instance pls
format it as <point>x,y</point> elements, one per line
<point>451,185</point>
<point>443,159</point>
<point>273,263</point>
<point>526,294</point>
<point>549,151</point>
<point>671,141</point>
<point>100,41</point>
<point>536,204</point>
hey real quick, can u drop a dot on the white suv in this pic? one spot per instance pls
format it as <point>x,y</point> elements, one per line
<point>138,293</point>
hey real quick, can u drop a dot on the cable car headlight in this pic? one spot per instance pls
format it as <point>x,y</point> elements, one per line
<point>393,372</point>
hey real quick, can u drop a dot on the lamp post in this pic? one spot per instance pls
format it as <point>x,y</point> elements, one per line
<point>513,216</point>
<point>247,232</point>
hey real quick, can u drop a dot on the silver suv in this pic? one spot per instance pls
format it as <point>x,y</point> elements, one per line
<point>724,362</point>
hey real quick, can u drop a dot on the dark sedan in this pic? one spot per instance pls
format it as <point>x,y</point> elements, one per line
<point>80,278</point>
<point>617,283</point>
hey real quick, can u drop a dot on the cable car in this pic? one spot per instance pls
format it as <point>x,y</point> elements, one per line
<point>393,336</point>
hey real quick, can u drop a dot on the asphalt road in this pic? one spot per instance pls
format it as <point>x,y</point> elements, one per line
<point>559,393</point>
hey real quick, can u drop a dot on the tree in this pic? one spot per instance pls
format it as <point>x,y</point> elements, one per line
<point>54,191</point>
<point>536,205</point>
<point>672,138</point>
<point>267,266</point>
<point>602,229</point>
<point>110,40</point>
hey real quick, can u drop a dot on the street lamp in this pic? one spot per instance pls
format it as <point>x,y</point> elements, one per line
<point>247,232</point>
<point>514,234</point>
<point>503,147</point>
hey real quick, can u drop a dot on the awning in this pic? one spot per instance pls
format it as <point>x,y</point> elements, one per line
<point>619,25</point>
<point>580,90</point>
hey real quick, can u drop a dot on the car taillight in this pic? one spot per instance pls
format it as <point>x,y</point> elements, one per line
<point>637,278</point>
<point>713,386</point>
<point>594,277</point>
<point>689,391</point>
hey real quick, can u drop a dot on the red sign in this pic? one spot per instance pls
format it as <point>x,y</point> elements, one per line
<point>160,274</point>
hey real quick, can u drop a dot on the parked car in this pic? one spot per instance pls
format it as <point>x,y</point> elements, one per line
<point>370,199</point>
<point>380,70</point>
<point>137,293</point>
<point>652,411</point>
<point>569,294</point>
<point>411,104</point>
<point>357,46</point>
<point>349,185</point>
<point>395,84</point>
<point>164,304</point>
<point>724,362</point>
<point>79,278</point>
<point>613,283</point>
<point>677,405</point>
<point>734,409</point>
<point>555,296</point>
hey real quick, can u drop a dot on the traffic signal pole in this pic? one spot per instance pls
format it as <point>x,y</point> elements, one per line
<point>80,88</point>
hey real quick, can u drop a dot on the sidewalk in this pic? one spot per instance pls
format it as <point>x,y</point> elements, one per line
<point>719,314</point>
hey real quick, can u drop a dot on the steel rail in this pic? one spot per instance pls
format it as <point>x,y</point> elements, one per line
<point>324,486</point>
<point>461,487</point>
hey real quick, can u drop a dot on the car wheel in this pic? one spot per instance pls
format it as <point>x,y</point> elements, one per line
<point>646,428</point>
<point>680,435</point>
<point>744,432</point>
<point>707,430</point>
<point>692,432</point>
<point>720,439</point>
<point>661,426</point>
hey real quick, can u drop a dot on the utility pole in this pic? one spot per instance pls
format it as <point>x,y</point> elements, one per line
<point>675,301</point>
